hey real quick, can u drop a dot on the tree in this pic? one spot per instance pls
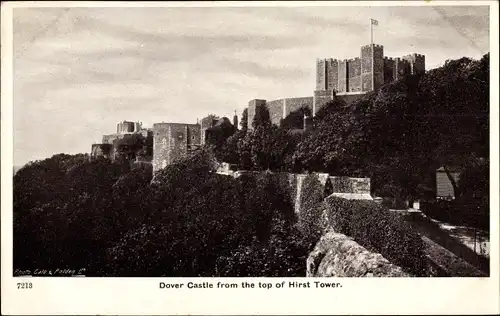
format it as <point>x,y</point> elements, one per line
<point>295,120</point>
<point>262,117</point>
<point>131,146</point>
<point>244,121</point>
<point>218,134</point>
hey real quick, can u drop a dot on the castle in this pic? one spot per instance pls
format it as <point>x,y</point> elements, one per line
<point>347,79</point>
<point>160,145</point>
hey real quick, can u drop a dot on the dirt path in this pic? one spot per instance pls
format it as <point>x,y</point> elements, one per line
<point>432,231</point>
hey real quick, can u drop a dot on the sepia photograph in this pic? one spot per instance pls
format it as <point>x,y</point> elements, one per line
<point>308,141</point>
<point>250,142</point>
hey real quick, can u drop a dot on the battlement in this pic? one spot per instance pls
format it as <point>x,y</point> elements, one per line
<point>415,55</point>
<point>322,60</point>
<point>256,101</point>
<point>374,46</point>
<point>164,125</point>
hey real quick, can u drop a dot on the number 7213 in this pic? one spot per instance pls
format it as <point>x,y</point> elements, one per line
<point>24,285</point>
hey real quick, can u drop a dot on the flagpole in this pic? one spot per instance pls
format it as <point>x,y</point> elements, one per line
<point>372,49</point>
<point>371,32</point>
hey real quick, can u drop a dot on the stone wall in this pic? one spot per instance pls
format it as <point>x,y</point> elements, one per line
<point>275,108</point>
<point>417,63</point>
<point>337,255</point>
<point>354,75</point>
<point>293,104</point>
<point>172,141</point>
<point>279,109</point>
<point>351,188</point>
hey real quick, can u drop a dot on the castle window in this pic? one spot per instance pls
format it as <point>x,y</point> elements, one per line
<point>193,137</point>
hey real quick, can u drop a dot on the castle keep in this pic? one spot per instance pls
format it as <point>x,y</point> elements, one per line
<point>347,79</point>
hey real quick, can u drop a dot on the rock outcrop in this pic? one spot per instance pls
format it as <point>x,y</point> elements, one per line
<point>337,255</point>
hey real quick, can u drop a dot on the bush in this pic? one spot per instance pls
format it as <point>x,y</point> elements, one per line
<point>462,212</point>
<point>379,230</point>
<point>394,203</point>
<point>311,196</point>
<point>283,255</point>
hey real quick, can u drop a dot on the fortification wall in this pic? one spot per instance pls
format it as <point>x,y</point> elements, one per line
<point>366,68</point>
<point>293,104</point>
<point>332,74</point>
<point>401,68</point>
<point>378,66</point>
<point>388,69</point>
<point>111,138</point>
<point>350,98</point>
<point>320,74</point>
<point>342,85</point>
<point>193,134</point>
<point>353,188</point>
<point>354,75</point>
<point>320,99</point>
<point>416,62</point>
<point>275,108</point>
<point>206,123</point>
<point>280,108</point>
<point>172,141</point>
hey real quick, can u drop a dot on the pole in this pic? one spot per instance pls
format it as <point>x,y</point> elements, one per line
<point>372,49</point>
<point>371,32</point>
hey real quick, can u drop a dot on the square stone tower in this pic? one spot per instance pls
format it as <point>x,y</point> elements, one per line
<point>172,141</point>
<point>372,67</point>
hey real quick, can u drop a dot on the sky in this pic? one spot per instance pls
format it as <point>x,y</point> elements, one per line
<point>77,72</point>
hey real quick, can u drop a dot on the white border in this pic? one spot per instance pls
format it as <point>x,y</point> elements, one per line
<point>130,296</point>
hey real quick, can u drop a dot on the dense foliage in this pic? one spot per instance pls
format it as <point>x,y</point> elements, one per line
<point>295,120</point>
<point>310,220</point>
<point>187,221</point>
<point>378,230</point>
<point>133,146</point>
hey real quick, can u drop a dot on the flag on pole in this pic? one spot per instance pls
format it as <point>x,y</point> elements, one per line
<point>374,22</point>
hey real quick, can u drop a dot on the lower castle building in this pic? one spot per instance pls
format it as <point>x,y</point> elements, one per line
<point>172,141</point>
<point>125,132</point>
<point>159,146</point>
